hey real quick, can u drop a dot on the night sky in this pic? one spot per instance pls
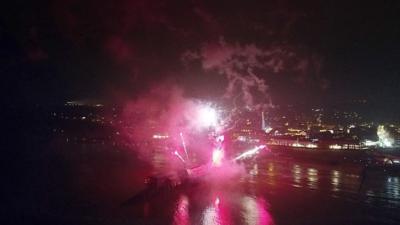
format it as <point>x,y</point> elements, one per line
<point>310,52</point>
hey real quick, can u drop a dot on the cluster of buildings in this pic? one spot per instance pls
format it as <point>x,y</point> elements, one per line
<point>316,129</point>
<point>311,129</point>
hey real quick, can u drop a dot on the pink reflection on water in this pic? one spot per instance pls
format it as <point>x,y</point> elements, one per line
<point>181,214</point>
<point>216,214</point>
<point>264,217</point>
<point>255,212</point>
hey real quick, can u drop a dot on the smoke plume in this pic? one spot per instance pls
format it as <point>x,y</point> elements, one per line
<point>161,116</point>
<point>246,66</point>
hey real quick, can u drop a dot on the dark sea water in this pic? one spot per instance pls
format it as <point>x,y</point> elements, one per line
<point>76,184</point>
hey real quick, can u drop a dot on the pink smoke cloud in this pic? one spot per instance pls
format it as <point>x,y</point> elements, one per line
<point>165,112</point>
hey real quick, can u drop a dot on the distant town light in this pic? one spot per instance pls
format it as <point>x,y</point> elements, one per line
<point>370,143</point>
<point>311,146</point>
<point>297,145</point>
<point>158,136</point>
<point>335,146</point>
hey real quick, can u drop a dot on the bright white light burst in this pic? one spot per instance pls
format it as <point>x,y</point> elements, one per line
<point>207,116</point>
<point>385,139</point>
<point>217,157</point>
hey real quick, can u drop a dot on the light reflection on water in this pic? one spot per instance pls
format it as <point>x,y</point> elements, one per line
<point>181,214</point>
<point>223,210</point>
<point>335,180</point>
<point>339,180</point>
<point>278,190</point>
<point>255,212</point>
<point>312,177</point>
<point>392,186</point>
<point>216,213</point>
<point>249,203</point>
<point>297,177</point>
